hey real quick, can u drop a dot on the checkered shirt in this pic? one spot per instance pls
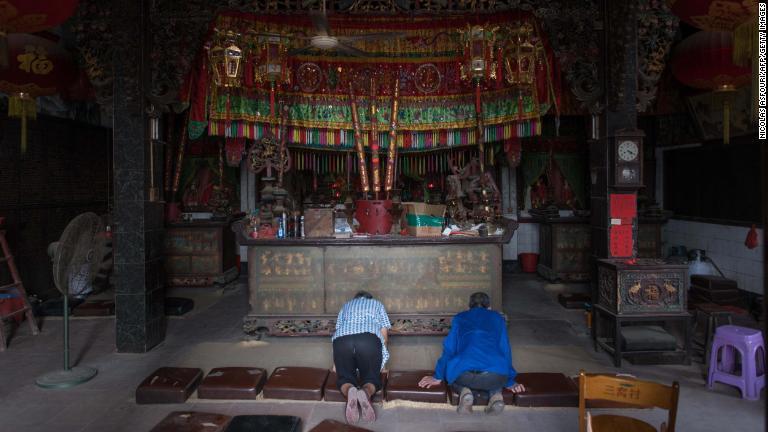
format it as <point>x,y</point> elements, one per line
<point>362,315</point>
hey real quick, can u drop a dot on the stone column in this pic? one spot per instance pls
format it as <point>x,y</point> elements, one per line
<point>619,78</point>
<point>138,234</point>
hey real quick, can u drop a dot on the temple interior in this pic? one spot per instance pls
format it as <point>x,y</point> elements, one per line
<point>197,196</point>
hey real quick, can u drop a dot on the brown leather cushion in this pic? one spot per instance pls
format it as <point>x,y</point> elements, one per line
<point>232,383</point>
<point>404,385</point>
<point>332,393</point>
<point>95,308</point>
<point>266,423</point>
<point>573,300</point>
<point>190,421</point>
<point>482,397</point>
<point>546,390</point>
<point>168,385</point>
<point>336,426</point>
<point>299,383</point>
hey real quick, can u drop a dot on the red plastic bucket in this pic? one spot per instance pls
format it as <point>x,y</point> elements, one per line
<point>528,261</point>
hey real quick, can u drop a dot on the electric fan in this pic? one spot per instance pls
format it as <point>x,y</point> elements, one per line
<point>77,257</point>
<point>323,40</point>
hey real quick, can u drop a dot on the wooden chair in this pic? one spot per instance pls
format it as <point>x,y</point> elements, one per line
<point>643,394</point>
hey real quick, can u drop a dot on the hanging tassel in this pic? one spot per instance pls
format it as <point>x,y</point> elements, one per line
<point>24,107</point>
<point>272,98</point>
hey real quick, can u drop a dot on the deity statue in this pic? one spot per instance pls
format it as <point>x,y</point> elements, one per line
<point>539,193</point>
<point>205,192</point>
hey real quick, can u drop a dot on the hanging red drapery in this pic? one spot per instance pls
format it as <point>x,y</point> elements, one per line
<point>705,61</point>
<point>37,67</point>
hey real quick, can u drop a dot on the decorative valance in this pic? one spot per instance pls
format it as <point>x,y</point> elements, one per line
<point>438,100</point>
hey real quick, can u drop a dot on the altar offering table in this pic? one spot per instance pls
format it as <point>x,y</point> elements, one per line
<point>297,286</point>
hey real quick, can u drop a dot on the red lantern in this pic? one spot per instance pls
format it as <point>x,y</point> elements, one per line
<point>714,15</point>
<point>705,61</point>
<point>37,67</point>
<point>737,16</point>
<point>30,16</point>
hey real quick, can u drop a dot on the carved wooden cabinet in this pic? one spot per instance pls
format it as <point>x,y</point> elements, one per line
<point>647,286</point>
<point>200,253</point>
<point>565,247</point>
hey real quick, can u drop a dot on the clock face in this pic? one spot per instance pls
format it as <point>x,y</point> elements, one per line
<point>628,150</point>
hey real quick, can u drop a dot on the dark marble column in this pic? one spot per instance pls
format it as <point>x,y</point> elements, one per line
<point>620,65</point>
<point>138,234</point>
<point>619,78</point>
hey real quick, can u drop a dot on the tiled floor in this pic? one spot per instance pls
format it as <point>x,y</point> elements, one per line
<point>544,336</point>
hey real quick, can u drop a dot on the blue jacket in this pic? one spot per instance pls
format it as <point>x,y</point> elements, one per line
<point>477,342</point>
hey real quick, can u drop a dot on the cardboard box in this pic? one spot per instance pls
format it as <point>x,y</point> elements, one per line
<point>318,222</point>
<point>424,220</point>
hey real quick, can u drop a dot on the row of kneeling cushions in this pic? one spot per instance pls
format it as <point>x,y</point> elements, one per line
<point>175,385</point>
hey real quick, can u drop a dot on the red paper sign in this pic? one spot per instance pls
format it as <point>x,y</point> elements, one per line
<point>621,241</point>
<point>623,206</point>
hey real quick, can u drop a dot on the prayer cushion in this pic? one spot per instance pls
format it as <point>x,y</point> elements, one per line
<point>573,300</point>
<point>176,306</point>
<point>190,421</point>
<point>95,308</point>
<point>333,394</point>
<point>546,390</point>
<point>264,423</point>
<point>404,385</point>
<point>168,385</point>
<point>299,383</point>
<point>481,398</point>
<point>647,338</point>
<point>336,426</point>
<point>232,383</point>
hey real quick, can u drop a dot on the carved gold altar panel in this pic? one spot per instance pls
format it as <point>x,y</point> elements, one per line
<point>412,280</point>
<point>315,281</point>
<point>286,280</point>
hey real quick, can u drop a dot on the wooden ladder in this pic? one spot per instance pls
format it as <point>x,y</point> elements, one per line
<point>14,289</point>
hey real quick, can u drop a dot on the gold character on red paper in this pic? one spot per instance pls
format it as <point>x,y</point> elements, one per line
<point>35,60</point>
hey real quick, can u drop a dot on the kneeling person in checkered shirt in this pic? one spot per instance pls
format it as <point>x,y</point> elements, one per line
<point>360,346</point>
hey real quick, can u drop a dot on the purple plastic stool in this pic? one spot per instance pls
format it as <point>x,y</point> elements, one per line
<point>751,348</point>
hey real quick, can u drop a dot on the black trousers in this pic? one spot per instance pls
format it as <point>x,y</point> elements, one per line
<point>480,382</point>
<point>358,353</point>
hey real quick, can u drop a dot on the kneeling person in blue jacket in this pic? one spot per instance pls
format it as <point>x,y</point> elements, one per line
<point>476,357</point>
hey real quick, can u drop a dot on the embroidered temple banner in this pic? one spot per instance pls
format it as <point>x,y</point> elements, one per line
<point>273,65</point>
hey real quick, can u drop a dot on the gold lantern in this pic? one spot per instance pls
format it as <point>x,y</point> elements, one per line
<point>522,56</point>
<point>479,62</point>
<point>273,61</point>
<point>225,58</point>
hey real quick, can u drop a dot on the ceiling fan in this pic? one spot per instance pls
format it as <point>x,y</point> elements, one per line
<point>323,40</point>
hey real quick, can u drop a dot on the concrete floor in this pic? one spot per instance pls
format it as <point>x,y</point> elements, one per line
<point>544,336</point>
